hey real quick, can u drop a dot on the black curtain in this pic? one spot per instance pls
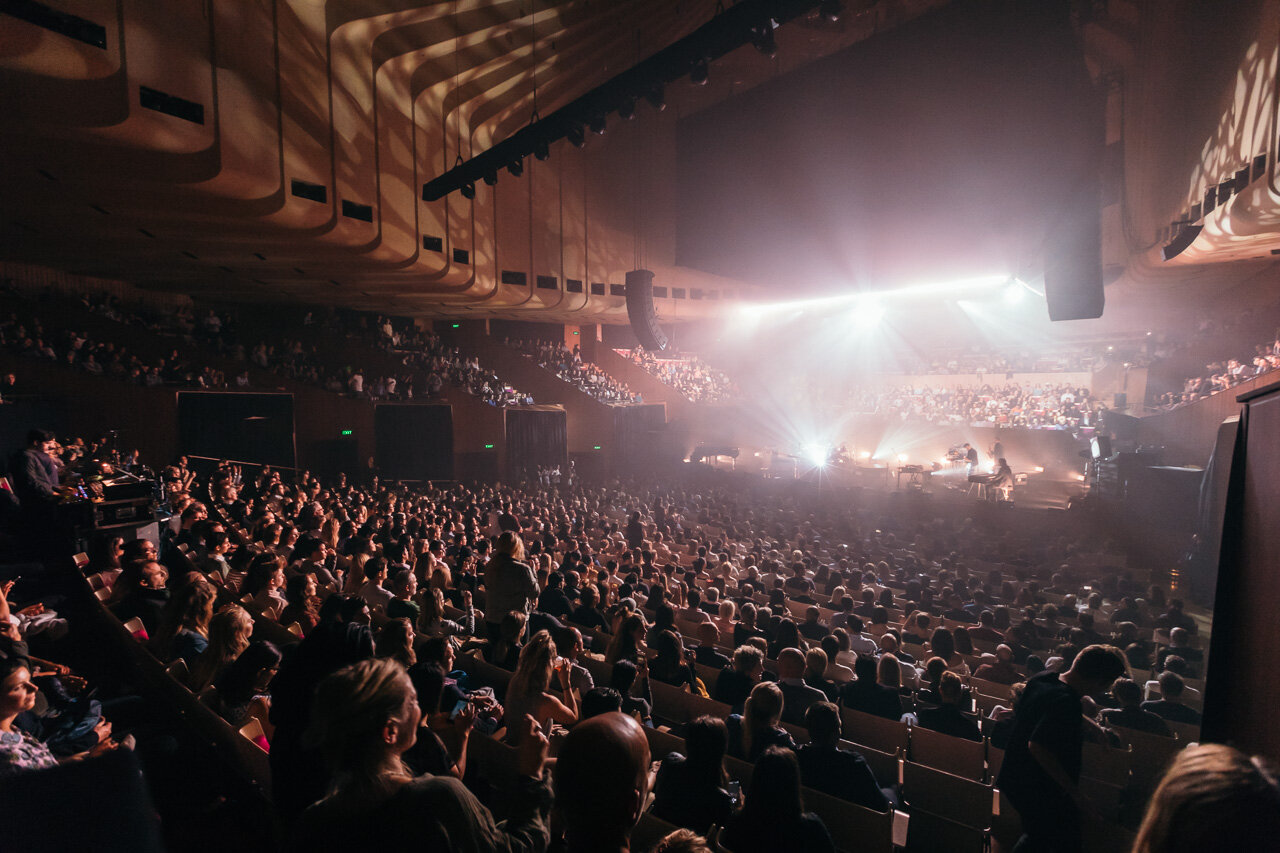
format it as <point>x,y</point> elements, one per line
<point>241,427</point>
<point>536,437</point>
<point>414,442</point>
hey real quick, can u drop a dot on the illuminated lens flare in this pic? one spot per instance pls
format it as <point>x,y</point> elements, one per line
<point>817,454</point>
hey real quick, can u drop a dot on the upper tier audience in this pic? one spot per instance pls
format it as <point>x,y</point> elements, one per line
<point>688,374</point>
<point>568,365</point>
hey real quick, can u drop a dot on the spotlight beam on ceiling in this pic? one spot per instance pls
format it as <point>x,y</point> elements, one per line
<point>724,33</point>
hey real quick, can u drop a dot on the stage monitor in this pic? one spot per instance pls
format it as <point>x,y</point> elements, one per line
<point>256,428</point>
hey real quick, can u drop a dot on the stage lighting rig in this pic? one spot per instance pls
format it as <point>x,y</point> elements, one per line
<point>689,58</point>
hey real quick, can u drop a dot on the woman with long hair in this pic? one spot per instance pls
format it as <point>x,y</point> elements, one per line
<point>229,632</point>
<point>627,642</point>
<point>1213,797</point>
<point>670,665</point>
<point>690,788</point>
<point>773,815</point>
<point>395,641</point>
<point>529,691</point>
<point>366,718</point>
<point>943,644</point>
<point>184,624</point>
<point>431,618</point>
<point>302,607</point>
<point>758,727</point>
<point>244,687</point>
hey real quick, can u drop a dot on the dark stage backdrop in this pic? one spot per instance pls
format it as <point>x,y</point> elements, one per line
<point>246,427</point>
<point>414,442</point>
<point>536,437</point>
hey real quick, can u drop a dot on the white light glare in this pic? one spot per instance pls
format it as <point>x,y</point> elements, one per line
<point>1039,469</point>
<point>866,454</point>
<point>1013,294</point>
<point>868,312</point>
<point>902,457</point>
<point>817,454</point>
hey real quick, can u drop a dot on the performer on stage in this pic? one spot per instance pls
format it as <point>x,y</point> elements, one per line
<point>971,457</point>
<point>997,450</point>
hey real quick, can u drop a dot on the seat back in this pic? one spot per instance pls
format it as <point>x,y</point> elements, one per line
<point>944,752</point>
<point>930,833</point>
<point>852,827</point>
<point>947,796</point>
<point>878,732</point>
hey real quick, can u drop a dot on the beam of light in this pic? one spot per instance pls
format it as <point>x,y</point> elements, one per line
<point>817,454</point>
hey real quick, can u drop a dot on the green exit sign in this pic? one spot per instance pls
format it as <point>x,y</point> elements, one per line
<point>346,432</point>
<point>488,447</point>
<point>597,447</point>
<point>457,325</point>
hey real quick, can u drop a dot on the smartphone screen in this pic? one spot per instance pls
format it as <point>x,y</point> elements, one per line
<point>457,709</point>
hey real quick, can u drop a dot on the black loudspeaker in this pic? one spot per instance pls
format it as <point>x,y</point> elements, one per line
<point>644,320</point>
<point>1073,267</point>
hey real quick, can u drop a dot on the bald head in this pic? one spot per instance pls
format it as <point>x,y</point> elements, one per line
<point>601,781</point>
<point>790,663</point>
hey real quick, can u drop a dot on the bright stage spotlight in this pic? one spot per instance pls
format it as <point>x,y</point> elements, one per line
<point>866,454</point>
<point>868,313</point>
<point>817,454</point>
<point>1014,294</point>
<point>902,457</point>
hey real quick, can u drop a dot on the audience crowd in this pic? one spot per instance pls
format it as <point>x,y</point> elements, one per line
<point>1222,376</point>
<point>430,618</point>
<point>1014,405</point>
<point>568,365</point>
<point>688,374</point>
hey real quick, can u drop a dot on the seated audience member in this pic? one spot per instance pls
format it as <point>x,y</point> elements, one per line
<point>183,632</point>
<point>985,629</point>
<point>835,672</point>
<point>140,593</point>
<point>229,632</point>
<point>264,583</point>
<point>244,687</point>
<point>552,600</point>
<point>1130,714</point>
<point>432,621</point>
<point>627,642</point>
<point>733,686</point>
<point>693,611</point>
<point>669,665</point>
<point>812,628</point>
<point>632,684</point>
<point>601,783</point>
<point>1001,670</point>
<point>395,641</point>
<point>706,654</point>
<point>1179,645</point>
<point>825,767</point>
<point>797,695</point>
<point>430,753</point>
<point>302,607</point>
<point>504,651</point>
<point>689,790</point>
<point>815,669</point>
<point>19,750</point>
<point>947,718</point>
<point>587,613</point>
<point>373,592</point>
<point>943,644</point>
<point>1174,617</point>
<point>529,691</point>
<point>773,816</point>
<point>570,647</point>
<point>757,728</point>
<point>1169,706</point>
<point>367,717</point>
<point>600,700</point>
<point>404,587</point>
<point>682,841</point>
<point>1212,797</point>
<point>867,695</point>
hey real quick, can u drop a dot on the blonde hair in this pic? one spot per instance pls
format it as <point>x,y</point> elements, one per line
<point>229,632</point>
<point>512,545</point>
<point>533,672</point>
<point>352,706</point>
<point>1213,797</point>
<point>762,710</point>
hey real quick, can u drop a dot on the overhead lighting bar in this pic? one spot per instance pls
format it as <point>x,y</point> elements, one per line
<point>740,24</point>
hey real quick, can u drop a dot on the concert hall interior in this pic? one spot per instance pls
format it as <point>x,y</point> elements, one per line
<point>936,336</point>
